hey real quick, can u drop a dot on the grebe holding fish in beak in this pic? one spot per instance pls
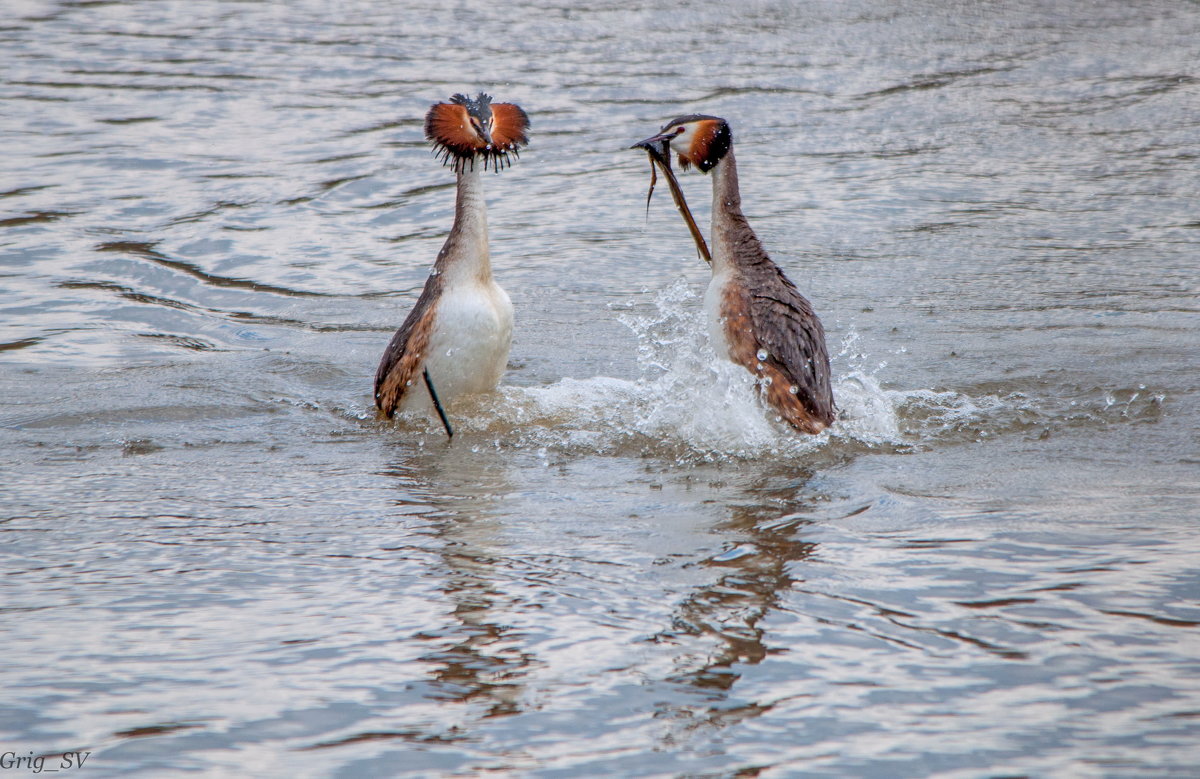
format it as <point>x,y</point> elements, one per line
<point>756,316</point>
<point>457,336</point>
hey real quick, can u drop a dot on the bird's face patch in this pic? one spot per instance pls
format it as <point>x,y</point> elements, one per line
<point>699,140</point>
<point>466,128</point>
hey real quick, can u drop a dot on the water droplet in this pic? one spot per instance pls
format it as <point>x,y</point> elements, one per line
<point>793,389</point>
<point>762,354</point>
<point>760,366</point>
<point>408,383</point>
<point>767,380</point>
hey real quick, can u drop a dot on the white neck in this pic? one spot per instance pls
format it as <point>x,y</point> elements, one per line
<point>464,257</point>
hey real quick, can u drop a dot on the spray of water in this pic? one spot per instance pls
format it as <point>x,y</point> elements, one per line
<point>690,405</point>
<point>686,402</point>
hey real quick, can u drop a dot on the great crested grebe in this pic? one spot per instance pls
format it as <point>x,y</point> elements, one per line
<point>457,336</point>
<point>756,316</point>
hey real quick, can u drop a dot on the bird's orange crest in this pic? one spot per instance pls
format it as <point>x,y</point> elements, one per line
<point>466,128</point>
<point>508,129</point>
<point>448,126</point>
<point>710,142</point>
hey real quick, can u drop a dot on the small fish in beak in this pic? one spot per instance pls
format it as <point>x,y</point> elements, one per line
<point>658,148</point>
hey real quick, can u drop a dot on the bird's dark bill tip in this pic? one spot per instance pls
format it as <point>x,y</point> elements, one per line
<point>656,148</point>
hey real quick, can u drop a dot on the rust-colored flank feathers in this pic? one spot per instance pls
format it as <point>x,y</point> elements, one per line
<point>772,332</point>
<point>400,368</point>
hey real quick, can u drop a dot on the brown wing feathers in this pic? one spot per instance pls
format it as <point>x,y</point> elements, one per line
<point>400,367</point>
<point>773,333</point>
<point>794,342</point>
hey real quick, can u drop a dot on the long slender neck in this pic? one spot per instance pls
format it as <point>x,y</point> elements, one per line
<point>734,242</point>
<point>465,257</point>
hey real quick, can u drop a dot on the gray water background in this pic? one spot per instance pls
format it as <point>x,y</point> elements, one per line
<point>217,562</point>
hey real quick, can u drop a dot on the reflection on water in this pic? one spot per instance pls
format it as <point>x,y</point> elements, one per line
<point>478,658</point>
<point>218,560</point>
<point>753,577</point>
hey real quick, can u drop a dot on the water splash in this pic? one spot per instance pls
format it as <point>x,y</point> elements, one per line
<point>692,406</point>
<point>686,403</point>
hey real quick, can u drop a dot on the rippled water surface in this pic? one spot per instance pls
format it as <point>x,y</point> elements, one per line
<point>213,215</point>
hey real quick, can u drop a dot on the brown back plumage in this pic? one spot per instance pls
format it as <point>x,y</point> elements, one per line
<point>773,332</point>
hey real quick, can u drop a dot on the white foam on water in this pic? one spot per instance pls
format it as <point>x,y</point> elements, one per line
<point>686,402</point>
<point>692,405</point>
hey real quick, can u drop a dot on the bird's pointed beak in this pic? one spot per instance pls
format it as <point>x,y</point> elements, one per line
<point>661,139</point>
<point>659,146</point>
